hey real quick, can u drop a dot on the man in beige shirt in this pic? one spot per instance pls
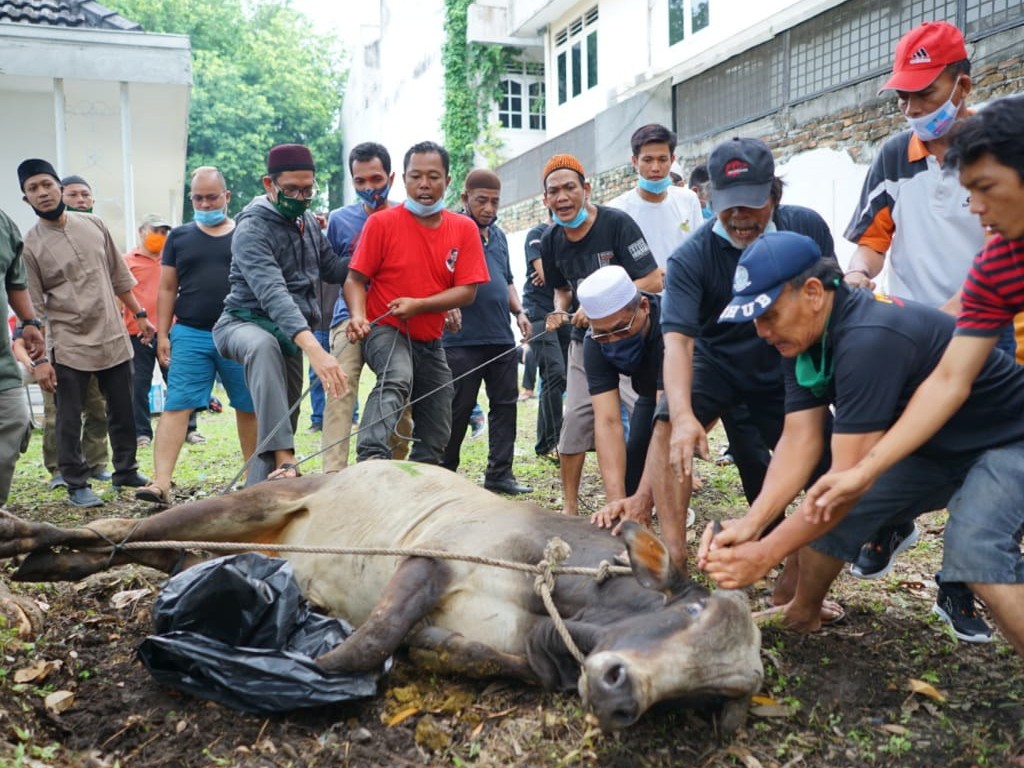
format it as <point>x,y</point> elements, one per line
<point>75,275</point>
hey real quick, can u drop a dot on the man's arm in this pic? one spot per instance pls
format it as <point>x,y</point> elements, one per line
<point>145,327</point>
<point>865,264</point>
<point>515,306</point>
<point>652,282</point>
<point>687,434</point>
<point>166,296</point>
<point>933,404</point>
<point>405,307</point>
<point>355,297</point>
<point>21,304</point>
<point>610,442</point>
<point>742,565</point>
<point>562,300</point>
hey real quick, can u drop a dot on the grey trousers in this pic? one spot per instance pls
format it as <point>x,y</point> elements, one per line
<point>14,434</point>
<point>275,382</point>
<point>406,370</point>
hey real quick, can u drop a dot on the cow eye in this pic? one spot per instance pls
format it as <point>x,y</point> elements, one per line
<point>694,609</point>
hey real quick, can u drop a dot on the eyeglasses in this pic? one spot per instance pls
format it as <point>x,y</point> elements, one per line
<point>199,199</point>
<point>299,193</point>
<point>602,338</point>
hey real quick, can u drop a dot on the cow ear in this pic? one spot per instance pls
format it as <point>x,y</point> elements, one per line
<point>650,560</point>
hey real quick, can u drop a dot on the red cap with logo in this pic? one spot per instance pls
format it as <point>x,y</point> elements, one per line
<point>923,53</point>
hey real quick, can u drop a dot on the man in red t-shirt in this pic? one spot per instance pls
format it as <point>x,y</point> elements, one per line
<point>413,263</point>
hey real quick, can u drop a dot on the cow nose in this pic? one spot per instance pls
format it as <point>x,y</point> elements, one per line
<point>614,677</point>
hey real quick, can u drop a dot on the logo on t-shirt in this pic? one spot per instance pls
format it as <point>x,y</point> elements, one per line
<point>736,168</point>
<point>453,257</point>
<point>638,249</point>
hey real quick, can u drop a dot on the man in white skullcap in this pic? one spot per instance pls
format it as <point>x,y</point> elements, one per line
<point>624,339</point>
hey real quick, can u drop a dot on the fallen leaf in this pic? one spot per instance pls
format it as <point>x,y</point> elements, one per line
<point>181,726</point>
<point>476,731</point>
<point>124,599</point>
<point>762,700</point>
<point>37,672</point>
<point>402,715</point>
<point>899,730</point>
<point>926,689</point>
<point>745,756</point>
<point>771,710</point>
<point>58,701</point>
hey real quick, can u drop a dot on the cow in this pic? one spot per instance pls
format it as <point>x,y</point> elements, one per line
<point>651,637</point>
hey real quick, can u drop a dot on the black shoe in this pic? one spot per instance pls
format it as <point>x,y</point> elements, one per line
<point>316,426</point>
<point>955,605</point>
<point>138,480</point>
<point>510,486</point>
<point>102,475</point>
<point>57,481</point>
<point>878,556</point>
<point>84,497</point>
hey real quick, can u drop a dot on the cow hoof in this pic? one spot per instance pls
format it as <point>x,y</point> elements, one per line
<point>21,614</point>
<point>732,715</point>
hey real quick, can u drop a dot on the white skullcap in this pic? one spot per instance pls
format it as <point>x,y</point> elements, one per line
<point>605,292</point>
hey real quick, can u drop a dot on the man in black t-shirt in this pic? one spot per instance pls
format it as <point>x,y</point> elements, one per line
<point>193,283</point>
<point>550,350</point>
<point>865,355</point>
<point>585,238</point>
<point>624,339</point>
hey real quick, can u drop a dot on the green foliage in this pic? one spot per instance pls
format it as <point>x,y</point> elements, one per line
<point>261,77</point>
<point>472,86</point>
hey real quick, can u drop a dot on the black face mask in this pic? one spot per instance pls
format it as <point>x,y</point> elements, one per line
<point>50,215</point>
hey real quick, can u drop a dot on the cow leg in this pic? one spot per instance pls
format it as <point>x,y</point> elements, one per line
<point>411,594</point>
<point>732,715</point>
<point>438,650</point>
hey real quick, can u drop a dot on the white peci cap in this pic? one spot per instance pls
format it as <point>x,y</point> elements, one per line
<point>605,292</point>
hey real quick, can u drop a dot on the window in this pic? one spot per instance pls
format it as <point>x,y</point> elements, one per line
<point>699,18</point>
<point>576,56</point>
<point>522,97</point>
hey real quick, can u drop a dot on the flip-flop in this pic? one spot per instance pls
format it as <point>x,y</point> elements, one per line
<point>832,613</point>
<point>282,472</point>
<point>153,493</point>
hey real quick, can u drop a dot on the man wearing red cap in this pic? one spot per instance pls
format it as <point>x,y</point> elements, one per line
<point>278,255</point>
<point>912,210</point>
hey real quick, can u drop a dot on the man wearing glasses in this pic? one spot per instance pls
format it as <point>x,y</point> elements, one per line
<point>193,283</point>
<point>278,255</point>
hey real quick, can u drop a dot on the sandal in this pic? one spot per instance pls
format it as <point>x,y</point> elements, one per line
<point>153,493</point>
<point>286,471</point>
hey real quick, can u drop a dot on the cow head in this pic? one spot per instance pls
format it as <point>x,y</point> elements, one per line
<point>697,645</point>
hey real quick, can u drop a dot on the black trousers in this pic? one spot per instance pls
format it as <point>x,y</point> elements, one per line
<point>500,376</point>
<point>144,362</point>
<point>116,385</point>
<point>551,350</point>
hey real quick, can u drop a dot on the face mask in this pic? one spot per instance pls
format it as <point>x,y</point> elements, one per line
<point>289,207</point>
<point>416,208</point>
<point>812,377</point>
<point>209,218</point>
<point>707,212</point>
<point>154,242</point>
<point>654,187</point>
<point>374,198</point>
<point>719,229</point>
<point>50,215</point>
<point>938,123</point>
<point>626,354</point>
<point>575,221</point>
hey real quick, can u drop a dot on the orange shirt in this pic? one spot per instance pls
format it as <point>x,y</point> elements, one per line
<point>146,271</point>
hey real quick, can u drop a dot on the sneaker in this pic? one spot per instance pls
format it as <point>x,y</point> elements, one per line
<point>143,442</point>
<point>215,406</point>
<point>84,497</point>
<point>955,605</point>
<point>57,481</point>
<point>878,555</point>
<point>316,426</point>
<point>477,424</point>
<point>194,438</point>
<point>725,457</point>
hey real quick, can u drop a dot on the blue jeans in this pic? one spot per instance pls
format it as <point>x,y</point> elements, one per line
<point>316,389</point>
<point>406,370</point>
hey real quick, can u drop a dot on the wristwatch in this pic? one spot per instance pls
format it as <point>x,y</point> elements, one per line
<point>142,313</point>
<point>33,321</point>
<point>40,361</point>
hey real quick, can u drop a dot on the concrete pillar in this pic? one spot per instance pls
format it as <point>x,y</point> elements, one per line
<point>126,166</point>
<point>60,126</point>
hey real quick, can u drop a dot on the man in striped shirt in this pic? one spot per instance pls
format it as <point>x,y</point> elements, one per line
<point>989,151</point>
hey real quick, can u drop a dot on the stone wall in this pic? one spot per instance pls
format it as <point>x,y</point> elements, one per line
<point>854,119</point>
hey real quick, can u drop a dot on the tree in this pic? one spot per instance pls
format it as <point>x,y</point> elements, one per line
<point>261,77</point>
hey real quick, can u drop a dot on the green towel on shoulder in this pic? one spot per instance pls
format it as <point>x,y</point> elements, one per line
<point>288,347</point>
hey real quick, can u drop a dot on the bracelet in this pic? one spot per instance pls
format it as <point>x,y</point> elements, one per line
<point>40,361</point>
<point>34,322</point>
<point>854,271</point>
<point>141,314</point>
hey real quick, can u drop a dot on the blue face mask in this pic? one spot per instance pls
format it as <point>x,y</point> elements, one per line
<point>209,218</point>
<point>417,208</point>
<point>575,221</point>
<point>707,212</point>
<point>374,198</point>
<point>626,354</point>
<point>654,187</point>
<point>937,124</point>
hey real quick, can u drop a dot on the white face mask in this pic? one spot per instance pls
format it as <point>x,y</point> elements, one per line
<point>937,124</point>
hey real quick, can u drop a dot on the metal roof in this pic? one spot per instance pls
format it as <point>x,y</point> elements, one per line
<point>83,14</point>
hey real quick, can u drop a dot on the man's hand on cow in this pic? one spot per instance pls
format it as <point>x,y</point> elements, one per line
<point>739,566</point>
<point>35,344</point>
<point>405,307</point>
<point>358,329</point>
<point>555,320</point>
<point>163,349</point>
<point>833,490</point>
<point>615,513</point>
<point>328,370</point>
<point>453,320</point>
<point>727,533</point>
<point>688,439</point>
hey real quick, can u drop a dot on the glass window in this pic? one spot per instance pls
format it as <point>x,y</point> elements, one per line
<point>576,55</point>
<point>592,59</point>
<point>577,69</point>
<point>699,16</point>
<point>562,90</point>
<point>536,101</point>
<point>676,30</point>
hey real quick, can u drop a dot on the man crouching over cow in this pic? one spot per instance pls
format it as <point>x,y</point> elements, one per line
<point>656,637</point>
<point>833,339</point>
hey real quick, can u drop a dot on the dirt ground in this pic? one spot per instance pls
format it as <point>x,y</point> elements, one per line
<point>888,687</point>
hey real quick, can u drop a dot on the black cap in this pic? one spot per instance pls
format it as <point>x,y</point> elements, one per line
<point>742,172</point>
<point>73,179</point>
<point>33,167</point>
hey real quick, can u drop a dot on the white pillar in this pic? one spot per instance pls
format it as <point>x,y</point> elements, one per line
<point>60,126</point>
<point>126,166</point>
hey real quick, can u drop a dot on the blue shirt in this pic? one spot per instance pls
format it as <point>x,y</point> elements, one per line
<point>487,320</point>
<point>343,228</point>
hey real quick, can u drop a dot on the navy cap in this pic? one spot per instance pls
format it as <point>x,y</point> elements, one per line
<point>741,172</point>
<point>766,266</point>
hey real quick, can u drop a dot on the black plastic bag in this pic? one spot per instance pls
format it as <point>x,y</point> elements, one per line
<point>238,631</point>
